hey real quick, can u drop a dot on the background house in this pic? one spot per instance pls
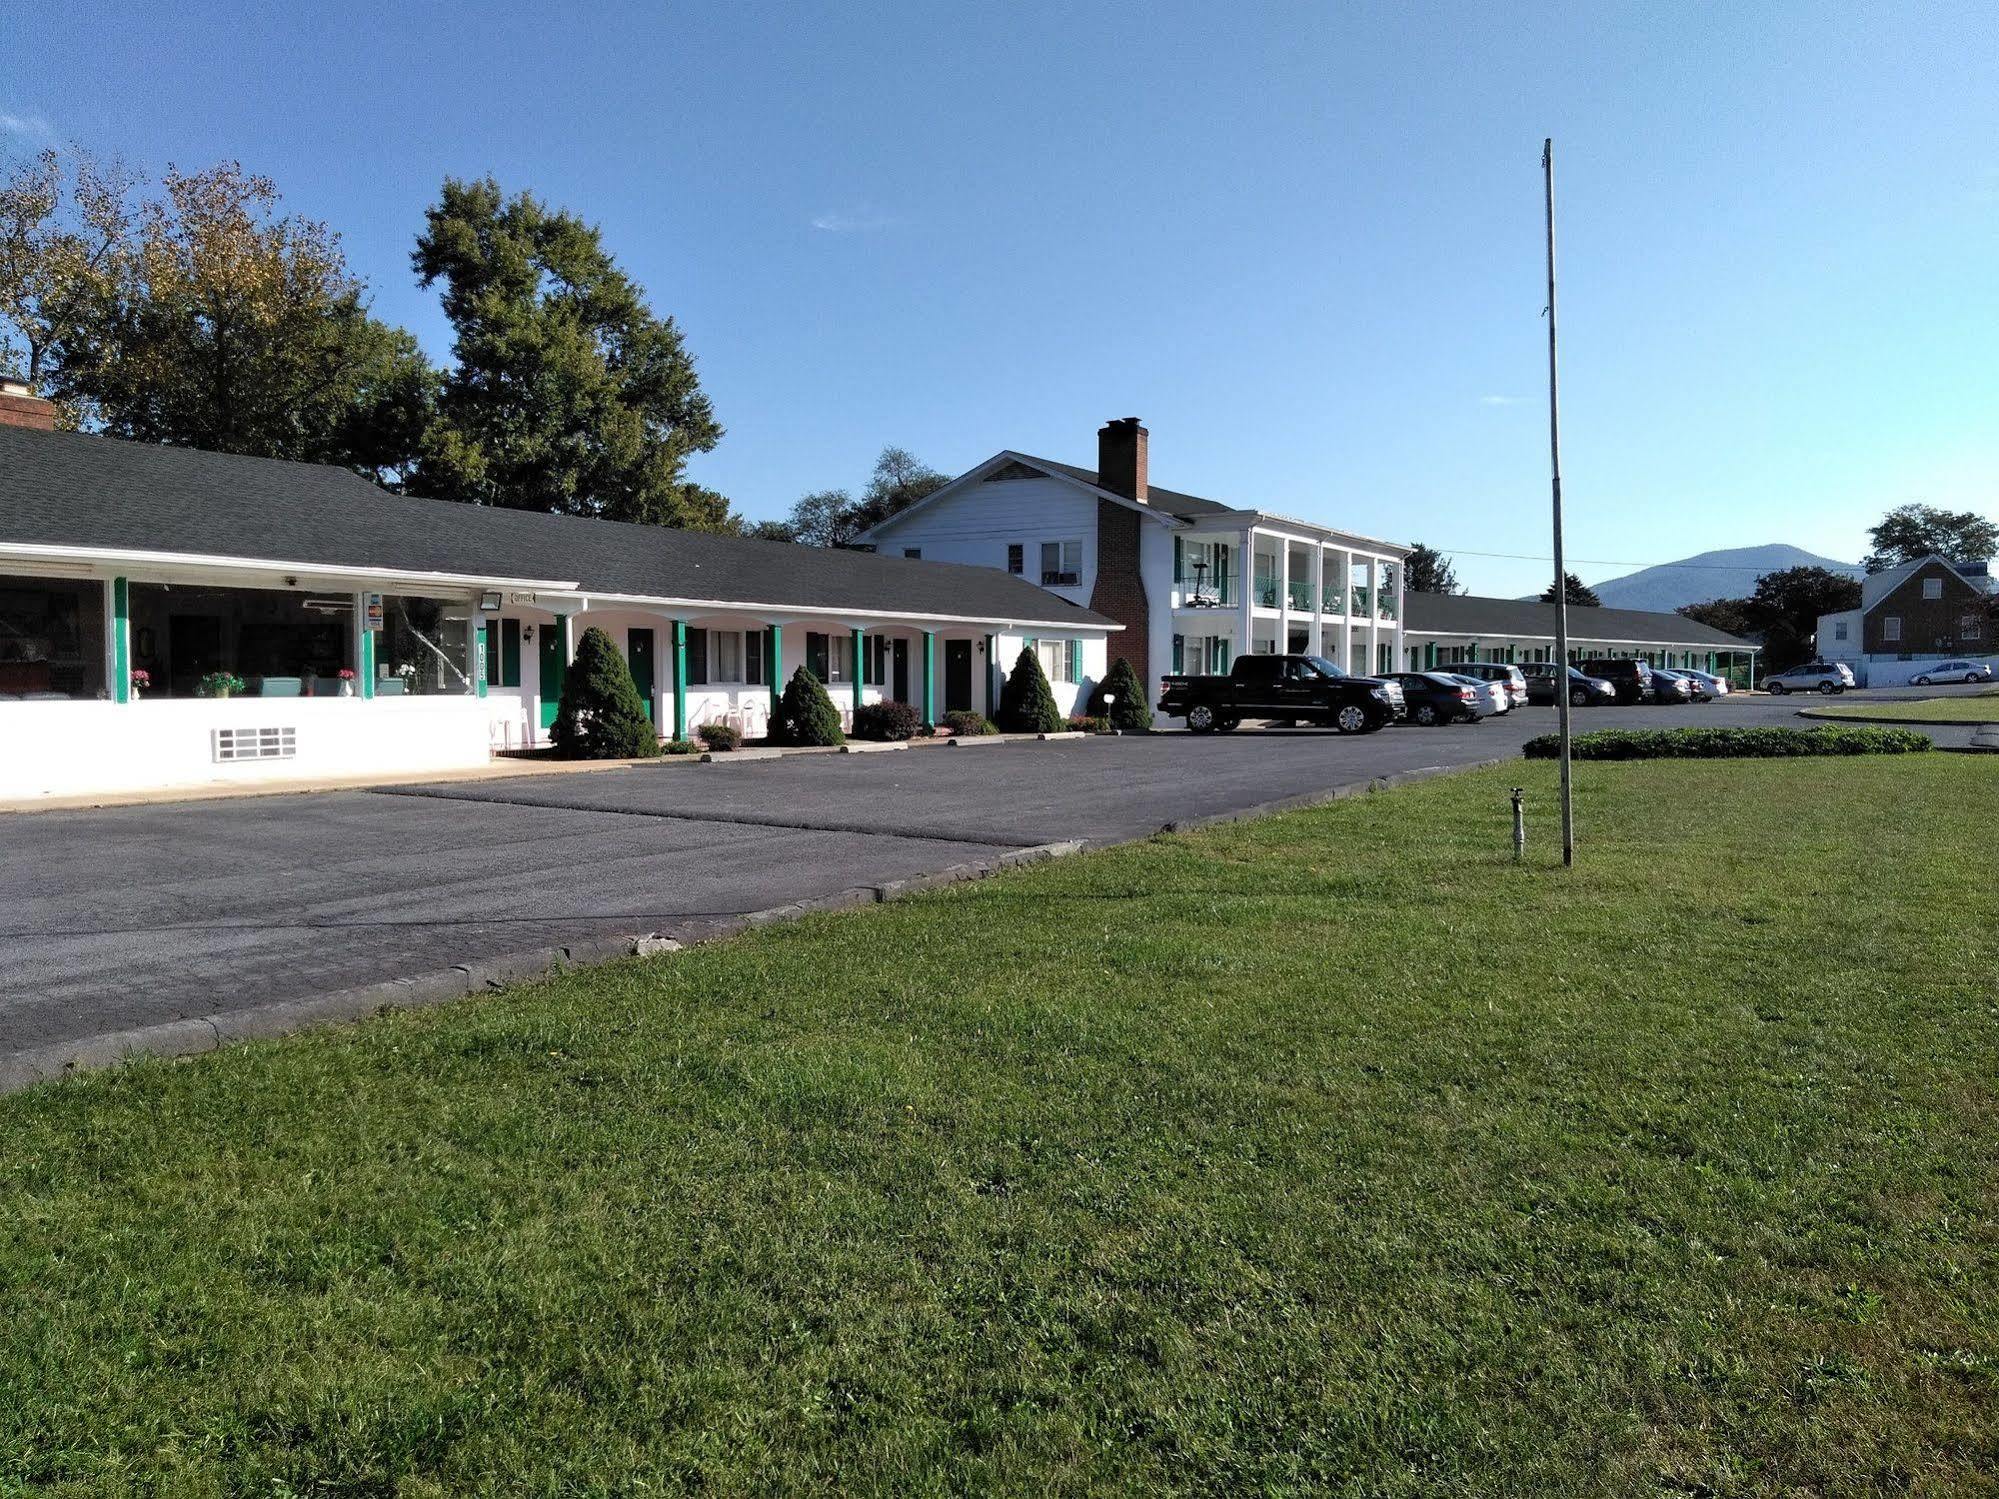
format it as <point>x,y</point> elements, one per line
<point>1925,611</point>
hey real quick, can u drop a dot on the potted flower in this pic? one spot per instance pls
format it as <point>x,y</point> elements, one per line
<point>221,684</point>
<point>142,681</point>
<point>346,682</point>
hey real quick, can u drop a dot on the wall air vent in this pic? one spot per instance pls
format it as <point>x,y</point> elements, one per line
<point>255,744</point>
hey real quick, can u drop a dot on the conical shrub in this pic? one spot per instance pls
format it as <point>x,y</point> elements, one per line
<point>601,716</point>
<point>1130,714</point>
<point>1026,704</point>
<point>805,715</point>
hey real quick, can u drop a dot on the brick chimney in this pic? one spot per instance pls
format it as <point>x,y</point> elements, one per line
<point>21,407</point>
<point>1121,458</point>
<point>1120,589</point>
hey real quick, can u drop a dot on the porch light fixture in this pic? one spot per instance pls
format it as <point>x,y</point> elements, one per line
<point>489,601</point>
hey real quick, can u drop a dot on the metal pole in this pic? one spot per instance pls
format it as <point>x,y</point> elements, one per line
<point>1561,566</point>
<point>1519,825</point>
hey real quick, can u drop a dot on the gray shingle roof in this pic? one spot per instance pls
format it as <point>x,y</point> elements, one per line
<point>1467,614</point>
<point>1169,500</point>
<point>67,489</point>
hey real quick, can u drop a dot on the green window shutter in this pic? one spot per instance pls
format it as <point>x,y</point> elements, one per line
<point>1179,654</point>
<point>697,657</point>
<point>1075,661</point>
<point>1179,559</point>
<point>492,654</point>
<point>510,653</point>
<point>753,658</point>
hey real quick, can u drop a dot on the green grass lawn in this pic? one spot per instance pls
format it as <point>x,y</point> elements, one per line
<point>1328,1153</point>
<point>1968,707</point>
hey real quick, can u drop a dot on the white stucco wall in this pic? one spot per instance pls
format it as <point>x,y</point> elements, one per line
<point>87,748</point>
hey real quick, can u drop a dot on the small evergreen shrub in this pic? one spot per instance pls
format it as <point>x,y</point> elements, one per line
<point>1742,743</point>
<point>1089,723</point>
<point>1130,714</point>
<point>966,724</point>
<point>720,736</point>
<point>680,747</point>
<point>886,720</point>
<point>601,716</point>
<point>805,715</point>
<point>1027,706</point>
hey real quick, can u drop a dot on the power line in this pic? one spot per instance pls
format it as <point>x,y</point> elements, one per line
<point>1714,567</point>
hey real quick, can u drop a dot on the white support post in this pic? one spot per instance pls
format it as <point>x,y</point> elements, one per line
<point>1284,596</point>
<point>1246,611</point>
<point>1318,598</point>
<point>1373,616</point>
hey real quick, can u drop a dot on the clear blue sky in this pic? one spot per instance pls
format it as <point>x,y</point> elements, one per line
<point>1303,242</point>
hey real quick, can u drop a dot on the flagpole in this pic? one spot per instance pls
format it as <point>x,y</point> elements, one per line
<point>1561,565</point>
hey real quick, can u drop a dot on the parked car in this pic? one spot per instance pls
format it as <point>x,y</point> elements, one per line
<point>1828,677</point>
<point>1435,697</point>
<point>1631,677</point>
<point>1953,671</point>
<point>1300,689</point>
<point>1584,690</point>
<point>1505,673</point>
<point>1672,686</point>
<point>1705,682</point>
<point>1492,696</point>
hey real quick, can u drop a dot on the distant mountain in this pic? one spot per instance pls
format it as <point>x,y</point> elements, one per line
<point>1727,574</point>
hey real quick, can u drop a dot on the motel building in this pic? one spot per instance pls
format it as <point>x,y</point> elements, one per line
<point>1444,629</point>
<point>378,634</point>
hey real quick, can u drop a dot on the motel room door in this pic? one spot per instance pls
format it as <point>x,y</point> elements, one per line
<point>898,655</point>
<point>957,675</point>
<point>549,643</point>
<point>638,655</point>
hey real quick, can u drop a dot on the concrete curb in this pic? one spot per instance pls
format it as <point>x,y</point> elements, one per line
<point>199,1034</point>
<point>1909,723</point>
<point>868,747</point>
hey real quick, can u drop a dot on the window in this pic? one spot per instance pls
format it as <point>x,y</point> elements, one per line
<point>287,643</point>
<point>51,638</point>
<point>1058,659</point>
<point>1016,558</point>
<point>1933,588</point>
<point>840,658</point>
<point>1891,627</point>
<point>756,643</point>
<point>422,650</point>
<point>1839,629</point>
<point>1971,627</point>
<point>503,653</point>
<point>874,660</point>
<point>913,553</point>
<point>725,656</point>
<point>1061,564</point>
<point>697,658</point>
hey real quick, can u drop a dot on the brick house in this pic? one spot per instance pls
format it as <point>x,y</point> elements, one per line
<point>1925,611</point>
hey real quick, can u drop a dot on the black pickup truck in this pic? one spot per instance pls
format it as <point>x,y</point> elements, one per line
<point>1300,689</point>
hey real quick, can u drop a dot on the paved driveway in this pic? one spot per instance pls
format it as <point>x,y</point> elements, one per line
<point>128,917</point>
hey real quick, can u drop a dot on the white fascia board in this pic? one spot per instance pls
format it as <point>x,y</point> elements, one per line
<point>119,560</point>
<point>791,612</point>
<point>1270,521</point>
<point>1000,460</point>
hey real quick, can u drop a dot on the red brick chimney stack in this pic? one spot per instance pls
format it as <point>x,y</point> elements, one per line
<point>21,407</point>
<point>1121,458</point>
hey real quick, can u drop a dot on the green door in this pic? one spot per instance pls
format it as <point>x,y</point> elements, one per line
<point>638,654</point>
<point>552,669</point>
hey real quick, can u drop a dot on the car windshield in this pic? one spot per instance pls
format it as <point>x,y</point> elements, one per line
<point>1325,666</point>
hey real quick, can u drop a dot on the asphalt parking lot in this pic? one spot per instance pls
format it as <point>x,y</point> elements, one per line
<point>128,917</point>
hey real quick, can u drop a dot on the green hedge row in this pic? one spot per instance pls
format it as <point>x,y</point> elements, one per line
<point>1774,743</point>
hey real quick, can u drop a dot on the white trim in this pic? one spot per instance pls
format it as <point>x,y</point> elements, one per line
<point>812,611</point>
<point>122,560</point>
<point>1040,465</point>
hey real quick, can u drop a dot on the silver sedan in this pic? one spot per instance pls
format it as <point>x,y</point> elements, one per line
<point>1492,696</point>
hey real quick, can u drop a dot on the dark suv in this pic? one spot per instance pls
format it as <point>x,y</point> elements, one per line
<point>1631,677</point>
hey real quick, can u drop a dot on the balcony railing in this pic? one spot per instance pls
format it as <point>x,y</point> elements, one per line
<point>1199,591</point>
<point>1301,596</point>
<point>1266,593</point>
<point>1360,604</point>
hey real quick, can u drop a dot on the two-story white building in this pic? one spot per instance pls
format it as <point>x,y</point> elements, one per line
<point>1195,582</point>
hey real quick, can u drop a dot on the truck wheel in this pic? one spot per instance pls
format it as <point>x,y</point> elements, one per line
<point>1228,725</point>
<point>1350,719</point>
<point>1201,719</point>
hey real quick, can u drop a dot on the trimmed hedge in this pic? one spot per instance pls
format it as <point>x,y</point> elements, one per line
<point>1773,743</point>
<point>969,725</point>
<point>720,737</point>
<point>1129,714</point>
<point>1027,705</point>
<point>601,716</point>
<point>805,715</point>
<point>887,720</point>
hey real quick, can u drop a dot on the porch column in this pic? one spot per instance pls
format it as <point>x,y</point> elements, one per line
<point>860,674</point>
<point>1429,655</point>
<point>1345,659</point>
<point>1373,615</point>
<point>930,676</point>
<point>364,647</point>
<point>121,640</point>
<point>1318,599</point>
<point>776,669</point>
<point>1474,652</point>
<point>680,679</point>
<point>479,647</point>
<point>992,674</point>
<point>1246,611</point>
<point>1284,597</point>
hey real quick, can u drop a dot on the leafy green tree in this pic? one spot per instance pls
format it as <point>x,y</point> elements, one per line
<point>1577,590</point>
<point>67,238</point>
<point>1909,533</point>
<point>1027,706</point>
<point>1786,606</point>
<point>805,715</point>
<point>1130,713</point>
<point>834,518</point>
<point>568,393</point>
<point>1427,570</point>
<point>1731,615</point>
<point>601,716</point>
<point>235,327</point>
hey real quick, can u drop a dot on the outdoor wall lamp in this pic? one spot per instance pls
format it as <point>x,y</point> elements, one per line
<point>489,601</point>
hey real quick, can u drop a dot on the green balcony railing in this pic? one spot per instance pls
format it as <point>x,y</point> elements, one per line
<point>1301,596</point>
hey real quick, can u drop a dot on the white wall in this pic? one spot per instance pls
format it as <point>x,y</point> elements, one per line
<point>1901,673</point>
<point>977,525</point>
<point>86,748</point>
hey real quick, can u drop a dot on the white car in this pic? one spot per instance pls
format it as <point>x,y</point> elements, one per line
<point>1493,698</point>
<point>1953,671</point>
<point>1707,681</point>
<point>1814,676</point>
<point>1507,675</point>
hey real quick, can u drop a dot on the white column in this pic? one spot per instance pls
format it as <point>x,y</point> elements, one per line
<point>1284,597</point>
<point>1401,616</point>
<point>1318,598</point>
<point>1345,658</point>
<point>1373,615</point>
<point>1246,611</point>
